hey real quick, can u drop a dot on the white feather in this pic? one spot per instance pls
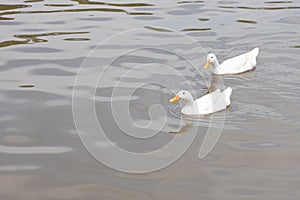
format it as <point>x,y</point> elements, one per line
<point>210,103</point>
<point>238,64</point>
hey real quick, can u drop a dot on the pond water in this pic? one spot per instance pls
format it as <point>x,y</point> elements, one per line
<point>121,62</point>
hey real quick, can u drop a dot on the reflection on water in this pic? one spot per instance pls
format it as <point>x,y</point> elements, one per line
<point>261,8</point>
<point>158,29</point>
<point>187,127</point>
<point>33,150</point>
<point>26,86</point>
<point>196,29</point>
<point>10,168</point>
<point>246,21</point>
<point>203,19</point>
<point>114,4</point>
<point>34,38</point>
<point>44,43</point>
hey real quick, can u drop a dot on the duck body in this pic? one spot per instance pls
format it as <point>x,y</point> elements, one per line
<point>235,65</point>
<point>210,103</point>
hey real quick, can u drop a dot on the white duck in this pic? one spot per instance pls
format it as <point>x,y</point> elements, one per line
<point>235,65</point>
<point>210,103</point>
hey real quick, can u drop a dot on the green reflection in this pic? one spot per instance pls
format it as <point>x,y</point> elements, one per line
<point>246,21</point>
<point>260,8</point>
<point>12,6</point>
<point>195,29</point>
<point>113,4</point>
<point>157,29</point>
<point>36,38</point>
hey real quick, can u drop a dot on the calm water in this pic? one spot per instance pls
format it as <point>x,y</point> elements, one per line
<point>44,43</point>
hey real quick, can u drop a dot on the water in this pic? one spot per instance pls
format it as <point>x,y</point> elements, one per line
<point>44,43</point>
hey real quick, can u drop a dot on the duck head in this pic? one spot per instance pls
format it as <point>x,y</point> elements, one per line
<point>211,59</point>
<point>183,95</point>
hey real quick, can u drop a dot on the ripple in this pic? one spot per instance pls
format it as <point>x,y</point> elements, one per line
<point>188,2</point>
<point>59,5</point>
<point>139,13</point>
<point>289,20</point>
<point>32,95</point>
<point>260,145</point>
<point>246,21</point>
<point>9,23</point>
<point>77,39</point>
<point>34,150</point>
<point>32,29</point>
<point>157,29</point>
<point>16,139</point>
<point>195,29</point>
<point>12,43</point>
<point>12,6</point>
<point>7,118</point>
<point>181,12</point>
<point>56,22</point>
<point>278,2</point>
<point>114,4</point>
<point>60,11</point>
<point>260,8</point>
<point>75,10</point>
<point>35,38</point>
<point>19,63</point>
<point>10,168</point>
<point>37,50</point>
<point>58,102</point>
<point>32,1</point>
<point>8,18</point>
<point>201,33</point>
<point>262,121</point>
<point>52,72</point>
<point>105,144</point>
<point>227,2</point>
<point>96,191</point>
<point>237,114</point>
<point>148,18</point>
<point>203,19</point>
<point>26,86</point>
<point>98,19</point>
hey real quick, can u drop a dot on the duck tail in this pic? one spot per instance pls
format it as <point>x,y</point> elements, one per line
<point>255,52</point>
<point>228,93</point>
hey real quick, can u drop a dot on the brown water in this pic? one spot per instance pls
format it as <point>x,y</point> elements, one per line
<point>43,44</point>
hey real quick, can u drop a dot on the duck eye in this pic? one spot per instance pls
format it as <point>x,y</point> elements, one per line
<point>211,57</point>
<point>183,93</point>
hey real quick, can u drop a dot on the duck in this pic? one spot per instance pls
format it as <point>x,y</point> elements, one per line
<point>236,65</point>
<point>207,104</point>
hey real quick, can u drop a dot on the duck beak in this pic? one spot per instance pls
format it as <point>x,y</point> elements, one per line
<point>207,64</point>
<point>176,98</point>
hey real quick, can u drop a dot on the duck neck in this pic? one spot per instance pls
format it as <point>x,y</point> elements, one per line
<point>215,63</point>
<point>188,107</point>
<point>189,103</point>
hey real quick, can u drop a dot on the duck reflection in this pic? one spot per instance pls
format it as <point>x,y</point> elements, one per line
<point>214,82</point>
<point>189,123</point>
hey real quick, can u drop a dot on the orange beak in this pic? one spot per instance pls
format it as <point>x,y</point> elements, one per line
<point>207,64</point>
<point>176,98</point>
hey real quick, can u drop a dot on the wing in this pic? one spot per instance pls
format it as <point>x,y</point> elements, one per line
<point>207,98</point>
<point>239,64</point>
<point>212,102</point>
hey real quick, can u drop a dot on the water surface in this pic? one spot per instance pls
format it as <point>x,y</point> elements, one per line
<point>44,43</point>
